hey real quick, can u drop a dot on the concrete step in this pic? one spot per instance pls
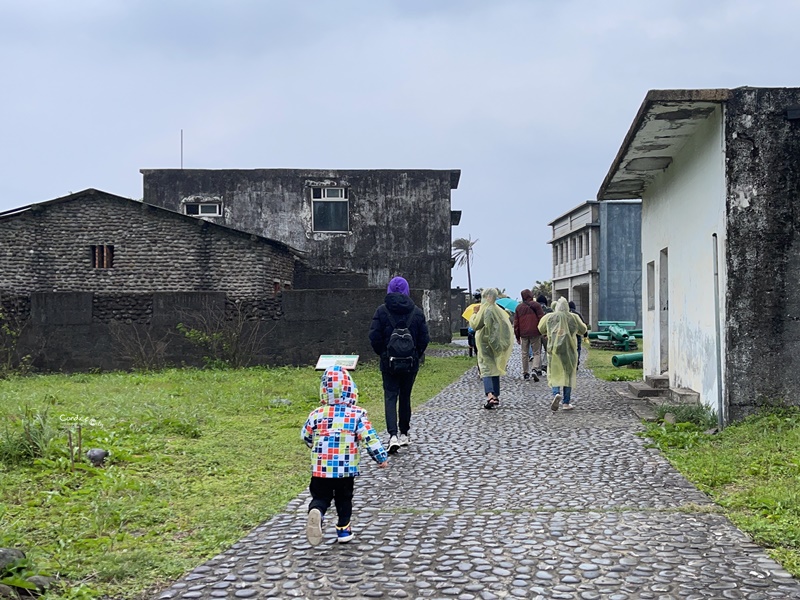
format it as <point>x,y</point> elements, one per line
<point>657,381</point>
<point>643,408</point>
<point>641,390</point>
<point>644,411</point>
<point>684,396</point>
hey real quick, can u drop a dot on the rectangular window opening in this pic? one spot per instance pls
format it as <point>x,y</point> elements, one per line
<point>102,256</point>
<point>206,209</point>
<point>651,285</point>
<point>330,209</point>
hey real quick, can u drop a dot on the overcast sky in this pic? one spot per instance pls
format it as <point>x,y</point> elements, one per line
<point>529,98</point>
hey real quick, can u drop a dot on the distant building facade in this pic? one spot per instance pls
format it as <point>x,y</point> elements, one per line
<point>597,260</point>
<point>98,281</point>
<point>378,223</point>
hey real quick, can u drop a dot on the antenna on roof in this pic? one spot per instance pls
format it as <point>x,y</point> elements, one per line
<point>181,149</point>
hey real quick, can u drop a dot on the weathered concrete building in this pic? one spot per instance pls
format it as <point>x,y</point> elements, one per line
<point>718,172</point>
<point>95,280</point>
<point>379,223</point>
<point>597,260</point>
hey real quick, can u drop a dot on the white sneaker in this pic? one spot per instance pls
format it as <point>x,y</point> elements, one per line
<point>555,403</point>
<point>314,527</point>
<point>394,444</point>
<point>568,407</point>
<point>404,440</point>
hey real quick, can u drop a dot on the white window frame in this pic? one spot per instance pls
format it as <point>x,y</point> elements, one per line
<point>217,206</point>
<point>330,194</point>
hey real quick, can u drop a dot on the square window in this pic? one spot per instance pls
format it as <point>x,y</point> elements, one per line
<point>102,256</point>
<point>330,209</point>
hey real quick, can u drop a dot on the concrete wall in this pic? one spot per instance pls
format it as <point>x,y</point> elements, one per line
<point>61,332</point>
<point>399,220</point>
<point>763,250</point>
<point>680,211</point>
<point>620,262</point>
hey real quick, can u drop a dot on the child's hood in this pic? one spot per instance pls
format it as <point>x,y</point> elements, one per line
<point>337,387</point>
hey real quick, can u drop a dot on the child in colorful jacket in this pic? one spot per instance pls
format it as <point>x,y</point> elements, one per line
<point>334,432</point>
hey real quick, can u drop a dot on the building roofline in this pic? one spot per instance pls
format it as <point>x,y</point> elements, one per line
<point>455,174</point>
<point>658,154</point>
<point>99,193</point>
<point>572,210</point>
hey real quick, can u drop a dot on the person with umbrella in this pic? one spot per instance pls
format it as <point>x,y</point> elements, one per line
<point>468,312</point>
<point>494,337</point>
<point>561,328</point>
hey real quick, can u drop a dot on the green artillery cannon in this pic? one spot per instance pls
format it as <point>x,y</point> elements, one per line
<point>620,360</point>
<point>616,334</point>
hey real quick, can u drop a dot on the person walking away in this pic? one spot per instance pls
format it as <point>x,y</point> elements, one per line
<point>526,331</point>
<point>542,300</point>
<point>561,328</point>
<point>494,336</point>
<point>334,431</point>
<point>574,311</point>
<point>397,313</point>
<point>471,332</point>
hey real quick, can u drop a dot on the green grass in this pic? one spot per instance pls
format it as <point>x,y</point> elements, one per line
<point>599,361</point>
<point>198,458</point>
<point>751,469</point>
<point>201,457</point>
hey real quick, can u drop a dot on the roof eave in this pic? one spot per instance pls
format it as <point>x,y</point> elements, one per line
<point>617,187</point>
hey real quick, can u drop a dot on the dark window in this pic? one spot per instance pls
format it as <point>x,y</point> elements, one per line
<point>102,257</point>
<point>330,209</point>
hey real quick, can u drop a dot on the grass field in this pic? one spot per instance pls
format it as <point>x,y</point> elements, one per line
<point>599,361</point>
<point>198,458</point>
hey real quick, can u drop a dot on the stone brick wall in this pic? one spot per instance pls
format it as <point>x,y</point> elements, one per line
<point>48,249</point>
<point>168,269</point>
<point>762,249</point>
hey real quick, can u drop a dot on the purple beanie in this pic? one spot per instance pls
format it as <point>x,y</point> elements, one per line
<point>398,285</point>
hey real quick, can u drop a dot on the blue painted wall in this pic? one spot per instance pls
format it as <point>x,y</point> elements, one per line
<point>620,277</point>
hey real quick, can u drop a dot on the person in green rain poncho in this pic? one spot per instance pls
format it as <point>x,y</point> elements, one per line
<point>494,337</point>
<point>561,328</point>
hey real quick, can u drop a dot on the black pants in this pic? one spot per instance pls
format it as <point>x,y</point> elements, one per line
<point>397,388</point>
<point>337,489</point>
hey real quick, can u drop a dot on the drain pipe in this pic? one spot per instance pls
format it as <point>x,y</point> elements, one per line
<point>720,403</point>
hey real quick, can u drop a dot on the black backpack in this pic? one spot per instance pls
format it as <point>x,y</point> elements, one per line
<point>401,349</point>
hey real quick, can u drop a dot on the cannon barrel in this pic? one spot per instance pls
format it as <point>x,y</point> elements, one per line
<point>620,360</point>
<point>618,333</point>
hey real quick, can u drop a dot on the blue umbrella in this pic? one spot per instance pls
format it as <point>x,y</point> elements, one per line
<point>508,303</point>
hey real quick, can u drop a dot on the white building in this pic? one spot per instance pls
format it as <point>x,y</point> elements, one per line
<point>718,172</point>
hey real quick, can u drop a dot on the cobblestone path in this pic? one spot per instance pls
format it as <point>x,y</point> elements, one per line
<point>518,502</point>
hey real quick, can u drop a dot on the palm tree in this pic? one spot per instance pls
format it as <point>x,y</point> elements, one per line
<point>462,255</point>
<point>544,288</point>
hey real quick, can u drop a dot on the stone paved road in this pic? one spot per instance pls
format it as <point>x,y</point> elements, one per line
<point>513,503</point>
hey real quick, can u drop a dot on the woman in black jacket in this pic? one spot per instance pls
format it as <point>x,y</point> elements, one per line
<point>398,311</point>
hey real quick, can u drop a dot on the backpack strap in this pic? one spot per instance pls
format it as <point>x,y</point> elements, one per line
<point>393,321</point>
